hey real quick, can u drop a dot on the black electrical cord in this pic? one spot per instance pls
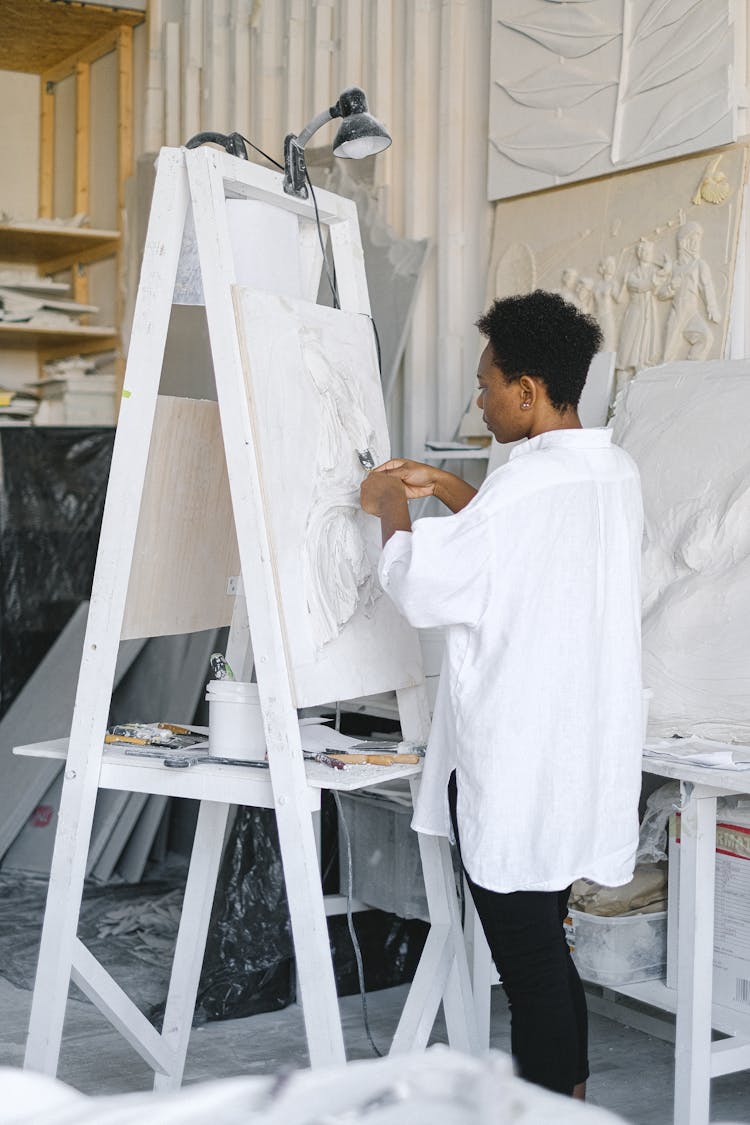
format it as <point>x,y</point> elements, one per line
<point>377,345</point>
<point>349,916</point>
<point>329,275</point>
<point>270,159</point>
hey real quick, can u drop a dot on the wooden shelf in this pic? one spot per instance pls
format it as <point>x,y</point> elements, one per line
<point>41,242</point>
<point>33,336</point>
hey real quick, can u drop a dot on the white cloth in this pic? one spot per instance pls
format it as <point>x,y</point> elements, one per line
<point>539,706</point>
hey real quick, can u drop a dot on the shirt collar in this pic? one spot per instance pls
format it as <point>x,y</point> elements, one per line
<point>594,437</point>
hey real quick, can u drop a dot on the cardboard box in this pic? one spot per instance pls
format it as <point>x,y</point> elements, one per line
<point>731,979</point>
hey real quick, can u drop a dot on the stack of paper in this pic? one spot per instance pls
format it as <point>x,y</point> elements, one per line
<point>700,752</point>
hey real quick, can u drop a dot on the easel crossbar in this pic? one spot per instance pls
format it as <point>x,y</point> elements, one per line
<point>106,995</point>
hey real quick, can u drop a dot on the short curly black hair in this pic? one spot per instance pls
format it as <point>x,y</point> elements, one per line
<point>542,335</point>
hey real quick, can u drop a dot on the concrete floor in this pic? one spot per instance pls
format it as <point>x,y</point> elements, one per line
<point>632,1072</point>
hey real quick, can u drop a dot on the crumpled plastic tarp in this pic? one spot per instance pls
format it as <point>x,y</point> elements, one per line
<point>52,486</point>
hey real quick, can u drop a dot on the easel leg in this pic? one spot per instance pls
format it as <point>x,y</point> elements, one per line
<point>480,963</point>
<point>312,951</point>
<point>108,597</point>
<point>191,937</point>
<point>60,922</point>
<point>443,971</point>
<point>695,942</point>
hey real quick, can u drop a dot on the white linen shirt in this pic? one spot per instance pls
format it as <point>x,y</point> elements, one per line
<point>539,706</point>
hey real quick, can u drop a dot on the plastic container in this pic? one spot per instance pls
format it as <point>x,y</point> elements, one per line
<point>386,868</point>
<point>386,865</point>
<point>620,950</point>
<point>235,721</point>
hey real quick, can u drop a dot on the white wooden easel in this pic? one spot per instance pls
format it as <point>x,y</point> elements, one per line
<point>152,435</point>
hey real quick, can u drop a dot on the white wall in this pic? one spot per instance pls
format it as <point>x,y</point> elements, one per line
<point>264,69</point>
<point>19,144</point>
<point>19,184</point>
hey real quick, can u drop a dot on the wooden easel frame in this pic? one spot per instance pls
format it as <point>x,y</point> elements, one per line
<point>200,182</point>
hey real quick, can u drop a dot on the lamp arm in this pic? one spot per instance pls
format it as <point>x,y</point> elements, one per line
<point>313,126</point>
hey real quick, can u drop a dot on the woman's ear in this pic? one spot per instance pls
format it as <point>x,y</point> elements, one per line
<point>528,391</point>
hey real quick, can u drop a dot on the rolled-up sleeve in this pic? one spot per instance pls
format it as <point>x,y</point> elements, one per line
<point>439,573</point>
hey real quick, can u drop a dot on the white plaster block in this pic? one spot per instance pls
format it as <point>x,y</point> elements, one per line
<point>685,424</point>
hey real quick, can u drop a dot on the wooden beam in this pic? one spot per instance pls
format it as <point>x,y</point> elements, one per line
<point>66,261</point>
<point>94,347</point>
<point>125,149</point>
<point>89,54</point>
<point>125,163</point>
<point>46,148</point>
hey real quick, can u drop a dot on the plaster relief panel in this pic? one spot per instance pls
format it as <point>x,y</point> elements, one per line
<point>315,397</point>
<point>585,87</point>
<point>649,254</point>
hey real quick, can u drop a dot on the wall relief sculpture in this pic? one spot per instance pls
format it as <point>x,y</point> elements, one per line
<point>659,243</point>
<point>580,89</point>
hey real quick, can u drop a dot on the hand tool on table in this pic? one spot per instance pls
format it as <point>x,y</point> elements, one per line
<point>182,761</point>
<point>325,759</point>
<point>377,758</point>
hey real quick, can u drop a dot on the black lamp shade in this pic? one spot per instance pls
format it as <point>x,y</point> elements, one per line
<point>360,134</point>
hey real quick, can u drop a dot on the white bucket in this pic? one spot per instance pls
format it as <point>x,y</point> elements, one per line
<point>235,721</point>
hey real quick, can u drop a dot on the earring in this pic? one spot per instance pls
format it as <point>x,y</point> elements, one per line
<point>525,405</point>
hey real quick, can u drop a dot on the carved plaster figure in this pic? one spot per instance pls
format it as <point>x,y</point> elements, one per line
<point>690,288</point>
<point>585,294</point>
<point>714,186</point>
<point>569,286</point>
<point>638,346</point>
<point>338,571</point>
<point>605,294</point>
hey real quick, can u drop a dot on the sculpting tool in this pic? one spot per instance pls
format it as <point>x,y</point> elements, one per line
<point>325,759</point>
<point>182,761</point>
<point>366,459</point>
<point>348,758</point>
<point>392,747</point>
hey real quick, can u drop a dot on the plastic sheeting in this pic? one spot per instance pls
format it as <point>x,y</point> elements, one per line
<point>52,486</point>
<point>248,962</point>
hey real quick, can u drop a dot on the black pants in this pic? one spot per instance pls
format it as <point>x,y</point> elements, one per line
<point>549,1022</point>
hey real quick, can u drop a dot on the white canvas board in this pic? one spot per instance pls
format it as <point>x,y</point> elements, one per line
<point>315,397</point>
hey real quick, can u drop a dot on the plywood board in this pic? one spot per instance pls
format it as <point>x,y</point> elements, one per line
<point>105,865</point>
<point>186,548</point>
<point>43,710</point>
<point>31,851</point>
<point>135,856</point>
<point>315,398</point>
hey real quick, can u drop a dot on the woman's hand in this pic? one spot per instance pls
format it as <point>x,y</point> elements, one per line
<point>380,493</point>
<point>418,479</point>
